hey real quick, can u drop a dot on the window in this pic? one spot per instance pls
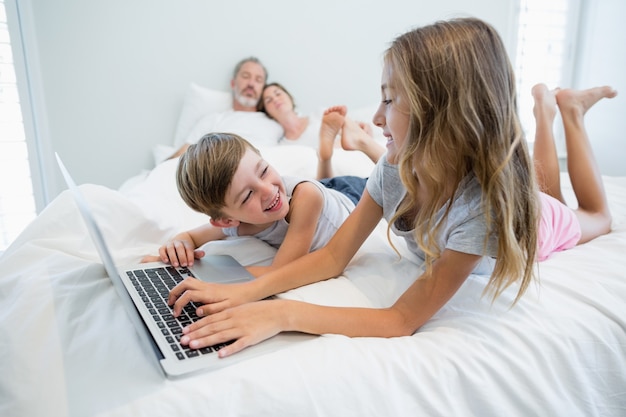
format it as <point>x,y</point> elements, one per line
<point>545,53</point>
<point>17,202</point>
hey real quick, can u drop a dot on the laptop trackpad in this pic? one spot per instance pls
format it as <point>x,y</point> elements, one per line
<point>220,269</point>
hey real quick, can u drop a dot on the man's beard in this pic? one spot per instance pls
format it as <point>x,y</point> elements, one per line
<point>246,101</point>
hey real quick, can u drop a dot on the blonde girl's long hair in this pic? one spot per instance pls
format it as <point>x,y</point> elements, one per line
<point>460,87</point>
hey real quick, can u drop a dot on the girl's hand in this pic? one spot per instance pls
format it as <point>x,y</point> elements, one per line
<point>247,325</point>
<point>215,297</point>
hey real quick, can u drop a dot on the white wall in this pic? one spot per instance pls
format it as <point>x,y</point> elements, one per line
<point>113,73</point>
<point>602,61</point>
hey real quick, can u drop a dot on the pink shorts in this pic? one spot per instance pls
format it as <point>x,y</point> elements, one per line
<point>559,228</point>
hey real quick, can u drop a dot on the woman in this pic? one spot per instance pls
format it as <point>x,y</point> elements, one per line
<point>319,133</point>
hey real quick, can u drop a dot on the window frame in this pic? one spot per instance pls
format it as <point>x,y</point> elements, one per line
<point>21,26</point>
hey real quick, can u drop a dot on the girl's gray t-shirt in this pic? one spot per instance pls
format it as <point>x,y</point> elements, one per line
<point>465,228</point>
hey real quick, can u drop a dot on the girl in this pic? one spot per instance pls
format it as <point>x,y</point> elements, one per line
<point>457,183</point>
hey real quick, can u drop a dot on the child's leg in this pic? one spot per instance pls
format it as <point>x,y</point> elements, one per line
<point>545,157</point>
<point>332,121</point>
<point>358,137</point>
<point>593,210</point>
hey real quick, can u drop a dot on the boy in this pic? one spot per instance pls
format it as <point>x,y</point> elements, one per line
<point>225,177</point>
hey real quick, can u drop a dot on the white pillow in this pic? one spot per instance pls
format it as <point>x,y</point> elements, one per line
<point>199,101</point>
<point>294,160</point>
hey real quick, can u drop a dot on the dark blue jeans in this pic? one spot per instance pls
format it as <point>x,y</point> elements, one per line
<point>349,185</point>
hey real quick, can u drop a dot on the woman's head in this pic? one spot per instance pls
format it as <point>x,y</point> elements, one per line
<point>206,170</point>
<point>274,100</point>
<point>456,88</point>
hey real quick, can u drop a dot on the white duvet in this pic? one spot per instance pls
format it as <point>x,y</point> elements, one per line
<point>68,348</point>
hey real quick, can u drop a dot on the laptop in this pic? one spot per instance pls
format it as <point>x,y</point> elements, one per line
<point>143,290</point>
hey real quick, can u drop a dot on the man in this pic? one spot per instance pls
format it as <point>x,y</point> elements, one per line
<point>249,77</point>
<point>247,83</point>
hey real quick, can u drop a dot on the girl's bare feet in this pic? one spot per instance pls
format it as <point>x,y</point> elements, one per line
<point>580,101</point>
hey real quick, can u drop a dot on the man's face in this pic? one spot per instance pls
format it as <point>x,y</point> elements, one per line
<point>248,85</point>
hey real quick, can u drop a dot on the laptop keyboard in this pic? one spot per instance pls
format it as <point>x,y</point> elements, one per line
<point>154,285</point>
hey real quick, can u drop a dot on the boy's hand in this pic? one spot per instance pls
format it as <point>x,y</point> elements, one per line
<point>176,253</point>
<point>179,253</point>
<point>150,258</point>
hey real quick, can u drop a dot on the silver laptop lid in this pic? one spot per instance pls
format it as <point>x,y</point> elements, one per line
<point>109,265</point>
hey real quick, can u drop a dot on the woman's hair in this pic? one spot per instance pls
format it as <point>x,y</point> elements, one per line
<point>460,89</point>
<point>206,170</point>
<point>261,104</point>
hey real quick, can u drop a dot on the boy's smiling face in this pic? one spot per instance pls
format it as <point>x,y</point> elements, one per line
<point>256,194</point>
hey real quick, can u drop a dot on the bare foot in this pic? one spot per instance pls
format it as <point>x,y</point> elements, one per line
<point>366,127</point>
<point>545,103</point>
<point>331,125</point>
<point>353,136</point>
<point>357,136</point>
<point>341,109</point>
<point>580,101</point>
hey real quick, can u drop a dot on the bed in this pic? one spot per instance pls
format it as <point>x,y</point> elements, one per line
<point>69,349</point>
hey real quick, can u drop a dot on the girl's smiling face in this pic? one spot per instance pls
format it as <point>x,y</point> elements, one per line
<point>392,114</point>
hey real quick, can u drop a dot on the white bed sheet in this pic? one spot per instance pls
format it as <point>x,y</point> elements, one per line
<point>68,348</point>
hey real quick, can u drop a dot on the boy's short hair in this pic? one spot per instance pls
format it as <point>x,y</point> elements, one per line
<point>206,170</point>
